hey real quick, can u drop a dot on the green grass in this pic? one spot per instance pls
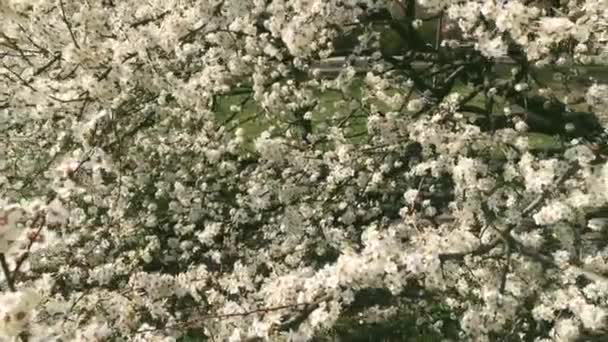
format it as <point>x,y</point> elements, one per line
<point>254,121</point>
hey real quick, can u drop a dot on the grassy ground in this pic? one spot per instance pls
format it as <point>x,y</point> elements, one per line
<point>252,119</point>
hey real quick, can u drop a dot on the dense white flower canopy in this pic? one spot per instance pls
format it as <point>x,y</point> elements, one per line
<point>184,165</point>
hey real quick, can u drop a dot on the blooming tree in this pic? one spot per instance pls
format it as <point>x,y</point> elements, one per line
<point>136,206</point>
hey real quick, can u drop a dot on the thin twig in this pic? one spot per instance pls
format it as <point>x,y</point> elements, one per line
<point>538,200</point>
<point>7,273</point>
<point>67,23</point>
<point>483,249</point>
<point>198,320</point>
<point>505,270</point>
<point>32,239</point>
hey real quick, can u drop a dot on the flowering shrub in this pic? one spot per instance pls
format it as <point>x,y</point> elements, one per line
<point>133,208</point>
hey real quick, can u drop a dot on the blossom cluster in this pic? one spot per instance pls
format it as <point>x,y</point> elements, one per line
<point>176,166</point>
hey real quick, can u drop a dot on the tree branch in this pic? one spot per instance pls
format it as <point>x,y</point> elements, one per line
<point>68,24</point>
<point>7,273</point>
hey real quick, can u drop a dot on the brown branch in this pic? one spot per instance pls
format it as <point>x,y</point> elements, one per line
<point>438,40</point>
<point>199,320</point>
<point>23,81</point>
<point>538,200</point>
<point>47,65</point>
<point>7,273</point>
<point>10,43</point>
<point>483,249</point>
<point>67,23</point>
<point>149,20</point>
<point>505,270</point>
<point>217,11</point>
<point>549,262</point>
<point>32,239</point>
<point>294,322</point>
<point>42,50</point>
